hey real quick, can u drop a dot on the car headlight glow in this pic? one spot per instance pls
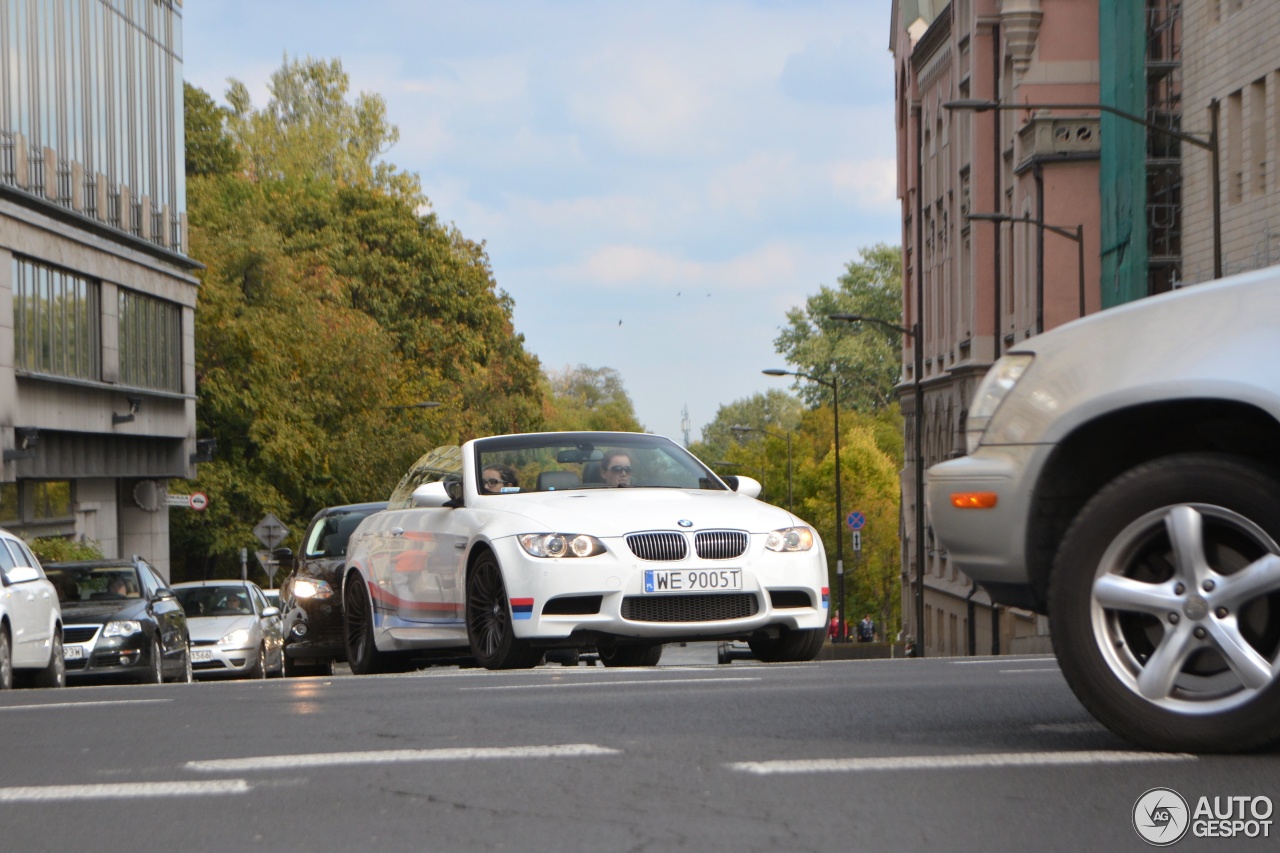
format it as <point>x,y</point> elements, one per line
<point>995,386</point>
<point>790,539</point>
<point>238,637</point>
<point>312,588</point>
<point>560,545</point>
<point>121,628</point>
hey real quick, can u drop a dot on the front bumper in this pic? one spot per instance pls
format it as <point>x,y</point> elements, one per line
<point>988,545</point>
<point>213,660</point>
<point>89,655</point>
<point>315,630</point>
<point>604,596</point>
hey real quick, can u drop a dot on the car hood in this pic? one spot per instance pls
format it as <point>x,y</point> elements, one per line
<point>616,512</point>
<point>214,628</point>
<point>82,612</point>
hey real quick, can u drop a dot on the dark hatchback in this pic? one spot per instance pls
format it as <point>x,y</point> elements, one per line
<point>311,596</point>
<point>121,622</point>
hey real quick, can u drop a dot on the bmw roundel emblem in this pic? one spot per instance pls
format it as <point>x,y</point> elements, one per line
<point>684,522</point>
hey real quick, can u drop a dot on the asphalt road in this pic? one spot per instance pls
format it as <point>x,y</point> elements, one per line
<point>896,755</point>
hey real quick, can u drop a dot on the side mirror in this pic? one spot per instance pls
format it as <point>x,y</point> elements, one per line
<point>268,612</point>
<point>162,594</point>
<point>283,556</point>
<point>21,574</point>
<point>430,495</point>
<point>744,485</point>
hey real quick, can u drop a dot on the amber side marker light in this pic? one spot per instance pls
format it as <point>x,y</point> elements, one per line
<point>973,500</point>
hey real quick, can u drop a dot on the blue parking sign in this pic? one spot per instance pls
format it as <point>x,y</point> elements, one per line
<point>856,520</point>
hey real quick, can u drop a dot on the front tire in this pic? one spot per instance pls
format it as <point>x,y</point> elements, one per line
<point>362,652</point>
<point>789,647</point>
<point>1165,604</point>
<point>612,654</point>
<point>155,671</point>
<point>6,661</point>
<point>489,627</point>
<point>55,674</point>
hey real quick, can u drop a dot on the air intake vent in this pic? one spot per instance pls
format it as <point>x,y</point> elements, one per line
<point>720,544</point>
<point>658,546</point>
<point>688,608</point>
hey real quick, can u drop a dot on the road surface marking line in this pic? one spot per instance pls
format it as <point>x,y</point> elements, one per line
<point>122,791</point>
<point>955,762</point>
<point>337,759</point>
<point>611,683</point>
<point>97,703</point>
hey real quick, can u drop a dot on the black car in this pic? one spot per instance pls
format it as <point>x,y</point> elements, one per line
<point>311,596</point>
<point>121,622</point>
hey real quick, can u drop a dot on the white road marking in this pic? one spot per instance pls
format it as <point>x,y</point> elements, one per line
<point>336,759</point>
<point>123,791</point>
<point>612,683</point>
<point>955,762</point>
<point>83,704</point>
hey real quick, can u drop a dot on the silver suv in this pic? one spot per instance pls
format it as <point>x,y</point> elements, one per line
<point>1123,477</point>
<point>30,620</point>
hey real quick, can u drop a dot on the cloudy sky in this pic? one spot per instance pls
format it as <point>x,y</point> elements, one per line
<point>656,183</point>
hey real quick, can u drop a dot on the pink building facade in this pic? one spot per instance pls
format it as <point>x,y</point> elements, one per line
<point>1000,240</point>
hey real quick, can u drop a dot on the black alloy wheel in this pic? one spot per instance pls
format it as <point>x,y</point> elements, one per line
<point>1165,604</point>
<point>489,628</point>
<point>362,652</point>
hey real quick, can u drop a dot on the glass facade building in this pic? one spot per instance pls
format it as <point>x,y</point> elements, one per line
<point>91,110</point>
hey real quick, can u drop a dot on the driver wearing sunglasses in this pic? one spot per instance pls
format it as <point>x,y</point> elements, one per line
<point>498,477</point>
<point>615,468</point>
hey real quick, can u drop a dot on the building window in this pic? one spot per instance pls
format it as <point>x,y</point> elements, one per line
<point>150,342</point>
<point>56,321</point>
<point>35,502</point>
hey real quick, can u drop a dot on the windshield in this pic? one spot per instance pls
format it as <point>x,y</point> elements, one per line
<point>587,460</point>
<point>439,464</point>
<point>215,601</point>
<point>95,583</point>
<point>329,538</point>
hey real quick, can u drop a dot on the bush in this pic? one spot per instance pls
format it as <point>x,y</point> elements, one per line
<point>55,549</point>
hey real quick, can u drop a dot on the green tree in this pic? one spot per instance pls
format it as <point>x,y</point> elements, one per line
<point>309,130</point>
<point>588,398</point>
<point>867,360</point>
<point>209,150</point>
<point>775,410</point>
<point>328,305</point>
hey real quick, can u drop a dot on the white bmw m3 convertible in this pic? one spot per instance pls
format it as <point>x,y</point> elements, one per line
<point>511,546</point>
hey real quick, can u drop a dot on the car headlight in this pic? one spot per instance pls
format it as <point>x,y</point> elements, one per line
<point>121,628</point>
<point>560,545</point>
<point>239,637</point>
<point>312,588</point>
<point>995,386</point>
<point>790,539</point>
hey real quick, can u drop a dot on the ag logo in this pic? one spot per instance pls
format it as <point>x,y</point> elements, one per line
<point>1160,817</point>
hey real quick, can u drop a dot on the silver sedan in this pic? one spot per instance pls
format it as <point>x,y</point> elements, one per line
<point>235,631</point>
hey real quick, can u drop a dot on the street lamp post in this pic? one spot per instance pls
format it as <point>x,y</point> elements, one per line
<point>834,385</point>
<point>1211,145</point>
<point>775,435</point>
<point>917,446</point>
<point>1076,234</point>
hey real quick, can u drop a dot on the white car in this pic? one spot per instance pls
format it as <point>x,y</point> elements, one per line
<point>30,620</point>
<point>513,545</point>
<point>1123,476</point>
<point>235,631</point>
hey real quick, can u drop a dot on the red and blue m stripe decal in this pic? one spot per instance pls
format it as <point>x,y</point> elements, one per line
<point>522,608</point>
<point>826,595</point>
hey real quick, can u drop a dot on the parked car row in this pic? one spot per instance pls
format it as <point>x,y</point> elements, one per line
<point>119,620</point>
<point>516,549</point>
